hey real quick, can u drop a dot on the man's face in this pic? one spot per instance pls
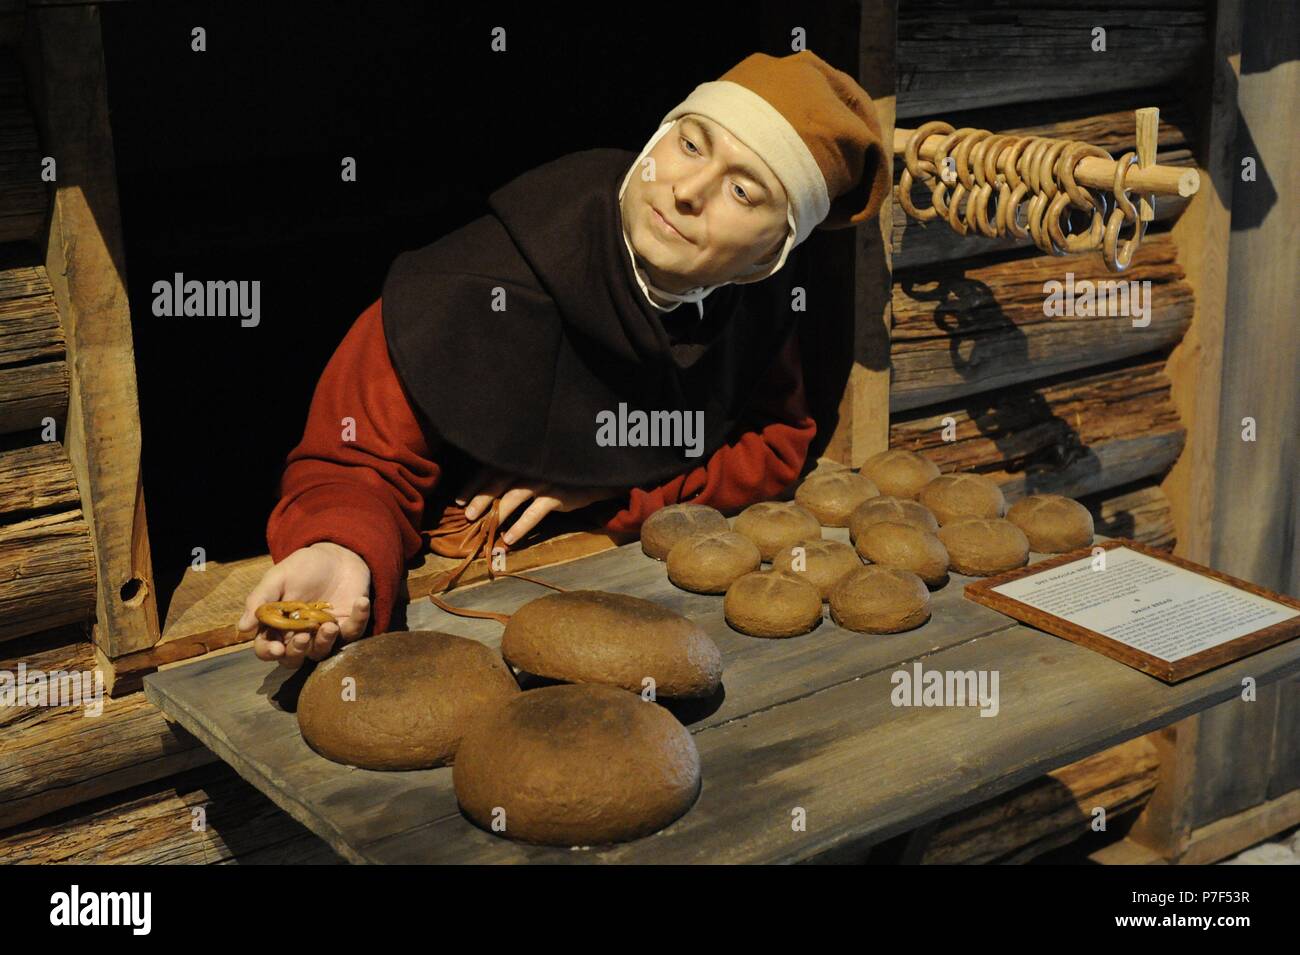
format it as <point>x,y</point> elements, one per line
<point>725,210</point>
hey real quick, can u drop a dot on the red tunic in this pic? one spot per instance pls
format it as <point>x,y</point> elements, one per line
<point>368,493</point>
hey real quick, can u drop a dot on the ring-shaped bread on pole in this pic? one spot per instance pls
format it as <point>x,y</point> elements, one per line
<point>1074,197</point>
<point>916,169</point>
<point>937,194</point>
<point>1118,257</point>
<point>984,158</point>
<point>1029,172</point>
<point>965,183</point>
<point>1013,190</point>
<point>1046,162</point>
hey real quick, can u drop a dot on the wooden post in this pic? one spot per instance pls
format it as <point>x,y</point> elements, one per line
<point>1195,367</point>
<point>87,271</point>
<point>864,411</point>
<point>1148,134</point>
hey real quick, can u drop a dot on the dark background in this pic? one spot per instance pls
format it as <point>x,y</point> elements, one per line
<point>228,164</point>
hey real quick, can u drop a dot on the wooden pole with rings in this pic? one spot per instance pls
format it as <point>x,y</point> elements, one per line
<point>1147,177</point>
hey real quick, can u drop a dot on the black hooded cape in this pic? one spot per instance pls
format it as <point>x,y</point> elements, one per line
<point>520,388</point>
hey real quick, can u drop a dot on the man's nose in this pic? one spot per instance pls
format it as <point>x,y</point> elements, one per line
<point>690,190</point>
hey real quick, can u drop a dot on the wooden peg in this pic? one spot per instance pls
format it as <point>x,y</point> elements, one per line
<point>1148,134</point>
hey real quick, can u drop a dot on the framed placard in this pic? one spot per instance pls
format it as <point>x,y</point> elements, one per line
<point>1160,614</point>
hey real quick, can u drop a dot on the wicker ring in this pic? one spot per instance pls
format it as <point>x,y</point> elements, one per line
<point>294,615</point>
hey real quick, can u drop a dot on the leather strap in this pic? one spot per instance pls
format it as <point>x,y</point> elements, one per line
<point>479,539</point>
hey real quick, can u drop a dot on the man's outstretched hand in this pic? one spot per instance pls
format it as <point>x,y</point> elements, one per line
<point>322,571</point>
<point>514,491</point>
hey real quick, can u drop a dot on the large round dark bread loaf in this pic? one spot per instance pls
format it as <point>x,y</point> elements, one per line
<point>401,700</point>
<point>577,766</point>
<point>590,636</point>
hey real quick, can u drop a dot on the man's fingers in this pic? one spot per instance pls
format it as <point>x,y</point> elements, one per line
<point>530,517</point>
<point>512,499</point>
<point>267,645</point>
<point>477,505</point>
<point>354,624</point>
<point>295,649</point>
<point>322,641</point>
<point>479,484</point>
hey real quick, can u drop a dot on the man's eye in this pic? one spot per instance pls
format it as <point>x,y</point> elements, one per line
<point>689,143</point>
<point>743,197</point>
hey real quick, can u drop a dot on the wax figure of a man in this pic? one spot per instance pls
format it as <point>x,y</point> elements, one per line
<point>595,280</point>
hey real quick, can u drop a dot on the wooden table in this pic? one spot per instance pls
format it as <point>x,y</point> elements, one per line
<point>801,724</point>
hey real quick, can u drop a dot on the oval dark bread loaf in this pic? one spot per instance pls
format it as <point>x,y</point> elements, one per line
<point>896,510</point>
<point>951,497</point>
<point>772,604</point>
<point>410,697</point>
<point>666,526</point>
<point>876,599</point>
<point>772,525</point>
<point>591,636</point>
<point>821,562</point>
<point>831,496</point>
<point>708,563</point>
<point>981,547</point>
<point>1053,523</point>
<point>576,766</point>
<point>900,473</point>
<point>907,548</point>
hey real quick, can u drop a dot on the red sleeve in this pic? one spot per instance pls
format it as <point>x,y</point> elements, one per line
<point>361,484</point>
<point>764,459</point>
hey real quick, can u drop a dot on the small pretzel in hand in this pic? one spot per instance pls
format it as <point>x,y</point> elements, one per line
<point>294,615</point>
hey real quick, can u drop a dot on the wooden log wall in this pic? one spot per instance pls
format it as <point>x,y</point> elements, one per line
<point>1077,405</point>
<point>47,564</point>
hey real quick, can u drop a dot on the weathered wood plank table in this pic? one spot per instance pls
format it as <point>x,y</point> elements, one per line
<point>801,724</point>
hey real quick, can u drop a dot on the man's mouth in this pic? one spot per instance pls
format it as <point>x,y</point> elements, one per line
<point>665,225</point>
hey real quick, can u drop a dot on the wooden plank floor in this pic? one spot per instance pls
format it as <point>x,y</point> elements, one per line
<point>804,723</point>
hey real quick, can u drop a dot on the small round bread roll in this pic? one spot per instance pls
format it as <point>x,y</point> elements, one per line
<point>576,766</point>
<point>907,548</point>
<point>896,510</point>
<point>831,496</point>
<point>666,526</point>
<point>950,497</point>
<point>980,547</point>
<point>821,562</point>
<point>900,473</point>
<point>877,599</point>
<point>1053,524</point>
<point>591,636</point>
<point>772,604</point>
<point>773,525</point>
<point>401,700</point>
<point>708,563</point>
